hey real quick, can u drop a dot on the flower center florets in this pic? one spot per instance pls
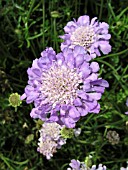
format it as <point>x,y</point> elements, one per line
<point>51,129</point>
<point>60,84</point>
<point>83,36</point>
<point>47,147</point>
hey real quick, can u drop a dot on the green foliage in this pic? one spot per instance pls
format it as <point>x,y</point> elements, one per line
<point>28,27</point>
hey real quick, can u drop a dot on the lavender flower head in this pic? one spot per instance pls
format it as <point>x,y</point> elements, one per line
<point>77,165</point>
<point>64,87</point>
<point>90,34</point>
<point>50,139</point>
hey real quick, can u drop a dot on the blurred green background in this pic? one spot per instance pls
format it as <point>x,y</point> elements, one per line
<point>27,27</point>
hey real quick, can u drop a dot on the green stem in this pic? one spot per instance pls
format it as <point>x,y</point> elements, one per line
<point>76,7</point>
<point>101,8</point>
<point>6,162</point>
<point>43,6</point>
<point>111,10</point>
<point>113,55</point>
<point>31,6</point>
<point>106,63</point>
<point>36,36</point>
<point>55,34</point>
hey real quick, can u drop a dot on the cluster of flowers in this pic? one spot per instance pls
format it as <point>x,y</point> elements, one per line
<point>87,165</point>
<point>52,137</point>
<point>67,86</point>
<point>77,165</point>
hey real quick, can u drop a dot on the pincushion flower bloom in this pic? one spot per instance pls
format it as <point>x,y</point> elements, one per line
<point>50,139</point>
<point>64,87</point>
<point>92,35</point>
<point>77,165</point>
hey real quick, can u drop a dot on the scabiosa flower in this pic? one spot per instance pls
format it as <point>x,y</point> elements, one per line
<point>51,130</point>
<point>50,139</point>
<point>77,165</point>
<point>47,147</point>
<point>64,87</point>
<point>90,34</point>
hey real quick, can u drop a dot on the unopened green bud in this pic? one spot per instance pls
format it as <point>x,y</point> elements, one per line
<point>55,14</point>
<point>67,133</point>
<point>29,138</point>
<point>119,23</point>
<point>39,124</point>
<point>17,31</point>
<point>14,100</point>
<point>88,161</point>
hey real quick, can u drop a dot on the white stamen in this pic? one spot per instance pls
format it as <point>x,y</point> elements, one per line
<point>83,36</point>
<point>60,84</point>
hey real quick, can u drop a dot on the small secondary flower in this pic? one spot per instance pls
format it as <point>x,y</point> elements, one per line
<point>50,139</point>
<point>113,137</point>
<point>77,165</point>
<point>92,35</point>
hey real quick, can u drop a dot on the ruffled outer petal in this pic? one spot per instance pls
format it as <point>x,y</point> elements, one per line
<point>75,164</point>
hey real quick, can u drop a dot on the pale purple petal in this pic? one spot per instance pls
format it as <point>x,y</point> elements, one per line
<point>95,67</point>
<point>75,164</point>
<point>83,20</point>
